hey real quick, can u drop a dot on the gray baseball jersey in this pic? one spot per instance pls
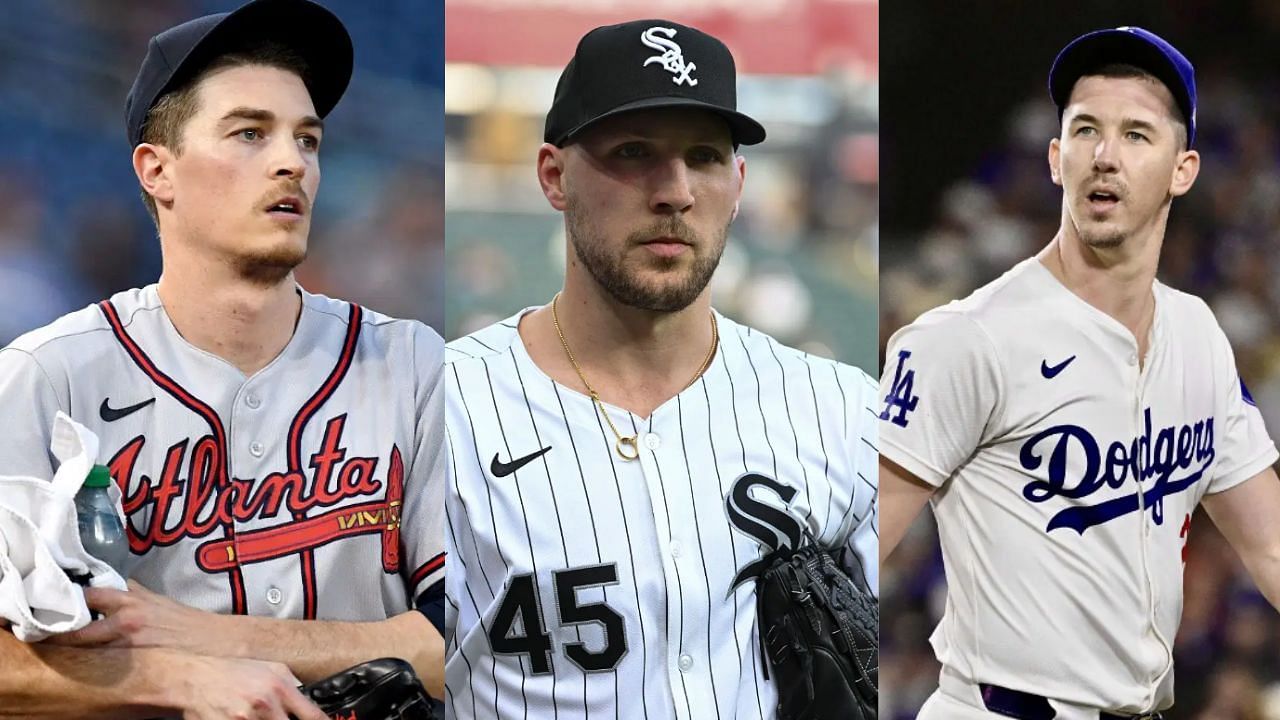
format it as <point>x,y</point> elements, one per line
<point>586,585</point>
<point>1067,474</point>
<point>312,489</point>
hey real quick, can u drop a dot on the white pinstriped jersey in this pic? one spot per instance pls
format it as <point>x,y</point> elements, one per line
<point>583,585</point>
<point>1067,476</point>
<point>273,495</point>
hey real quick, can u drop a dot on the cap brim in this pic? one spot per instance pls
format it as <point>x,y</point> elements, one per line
<point>309,29</point>
<point>744,130</point>
<point>1092,51</point>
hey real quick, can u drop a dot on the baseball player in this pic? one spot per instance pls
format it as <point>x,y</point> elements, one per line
<point>280,453</point>
<point>1066,420</point>
<point>622,457</point>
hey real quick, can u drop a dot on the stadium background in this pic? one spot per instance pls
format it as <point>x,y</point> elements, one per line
<point>801,263</point>
<point>967,120</point>
<point>72,227</point>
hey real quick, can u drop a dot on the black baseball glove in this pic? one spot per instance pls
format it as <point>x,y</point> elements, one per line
<point>385,689</point>
<point>819,632</point>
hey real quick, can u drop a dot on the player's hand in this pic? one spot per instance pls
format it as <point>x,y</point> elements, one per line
<point>141,618</point>
<point>226,688</point>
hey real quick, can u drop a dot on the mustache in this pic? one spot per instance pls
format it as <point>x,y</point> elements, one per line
<point>667,227</point>
<point>1115,186</point>
<point>286,187</point>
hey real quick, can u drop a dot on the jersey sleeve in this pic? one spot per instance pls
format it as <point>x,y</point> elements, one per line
<point>1244,448</point>
<point>29,401</point>
<point>939,391</point>
<point>422,520</point>
<point>861,558</point>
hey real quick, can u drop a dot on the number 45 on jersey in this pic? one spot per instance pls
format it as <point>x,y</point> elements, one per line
<point>522,601</point>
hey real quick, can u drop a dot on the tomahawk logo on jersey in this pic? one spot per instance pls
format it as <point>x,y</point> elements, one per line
<point>251,495</point>
<point>586,584</point>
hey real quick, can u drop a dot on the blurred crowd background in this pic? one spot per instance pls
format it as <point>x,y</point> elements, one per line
<point>967,120</point>
<point>801,263</point>
<point>72,227</point>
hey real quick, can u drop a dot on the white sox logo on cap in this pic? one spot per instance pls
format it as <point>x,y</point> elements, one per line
<point>672,57</point>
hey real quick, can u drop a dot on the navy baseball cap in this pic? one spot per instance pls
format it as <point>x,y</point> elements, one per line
<point>180,53</point>
<point>1134,46</point>
<point>647,64</point>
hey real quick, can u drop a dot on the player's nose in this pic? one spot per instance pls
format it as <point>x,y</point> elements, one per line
<point>1104,156</point>
<point>672,189</point>
<point>288,159</point>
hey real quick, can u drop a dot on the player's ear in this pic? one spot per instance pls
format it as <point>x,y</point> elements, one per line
<point>551,175</point>
<point>741,163</point>
<point>1185,172</point>
<point>150,164</point>
<point>1055,155</point>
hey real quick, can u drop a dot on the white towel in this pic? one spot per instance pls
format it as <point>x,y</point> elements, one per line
<point>40,541</point>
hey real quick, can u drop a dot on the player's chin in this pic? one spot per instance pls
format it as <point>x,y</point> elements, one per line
<point>271,263</point>
<point>667,292</point>
<point>1103,236</point>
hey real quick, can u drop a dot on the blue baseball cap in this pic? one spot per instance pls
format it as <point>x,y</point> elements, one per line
<point>180,53</point>
<point>1133,46</point>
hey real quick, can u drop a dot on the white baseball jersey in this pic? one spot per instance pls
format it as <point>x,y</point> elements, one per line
<point>1067,474</point>
<point>586,585</point>
<point>312,489</point>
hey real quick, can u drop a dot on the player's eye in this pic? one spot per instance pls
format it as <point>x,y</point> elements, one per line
<point>1086,130</point>
<point>631,151</point>
<point>1135,136</point>
<point>309,142</point>
<point>705,154</point>
<point>249,134</point>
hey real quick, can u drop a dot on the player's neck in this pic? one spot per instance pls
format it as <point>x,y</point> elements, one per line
<point>1117,281</point>
<point>635,359</point>
<point>244,323</point>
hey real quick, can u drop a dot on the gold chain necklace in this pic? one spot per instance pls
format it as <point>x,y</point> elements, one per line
<point>626,444</point>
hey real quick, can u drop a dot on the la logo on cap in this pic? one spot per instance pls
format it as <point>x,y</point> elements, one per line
<point>672,57</point>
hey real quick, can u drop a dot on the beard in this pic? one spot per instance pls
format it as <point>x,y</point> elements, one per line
<point>621,276</point>
<point>270,266</point>
<point>1102,239</point>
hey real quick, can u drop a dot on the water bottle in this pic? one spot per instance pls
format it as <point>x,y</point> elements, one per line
<point>101,531</point>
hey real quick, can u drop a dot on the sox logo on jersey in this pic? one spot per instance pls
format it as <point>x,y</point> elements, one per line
<point>587,584</point>
<point>774,529</point>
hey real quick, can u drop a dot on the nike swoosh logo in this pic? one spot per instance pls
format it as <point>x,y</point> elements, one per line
<point>110,414</point>
<point>501,469</point>
<point>1051,371</point>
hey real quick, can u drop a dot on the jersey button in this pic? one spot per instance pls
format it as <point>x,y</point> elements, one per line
<point>652,441</point>
<point>253,401</point>
<point>274,595</point>
<point>686,663</point>
<point>1133,359</point>
<point>675,549</point>
<point>255,449</point>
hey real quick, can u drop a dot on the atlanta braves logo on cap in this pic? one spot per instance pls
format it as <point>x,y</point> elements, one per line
<point>672,57</point>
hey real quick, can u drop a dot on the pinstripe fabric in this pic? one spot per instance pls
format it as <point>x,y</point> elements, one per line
<point>584,586</point>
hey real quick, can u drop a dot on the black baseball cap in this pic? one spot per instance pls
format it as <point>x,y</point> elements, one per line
<point>1130,45</point>
<point>180,53</point>
<point>647,64</point>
